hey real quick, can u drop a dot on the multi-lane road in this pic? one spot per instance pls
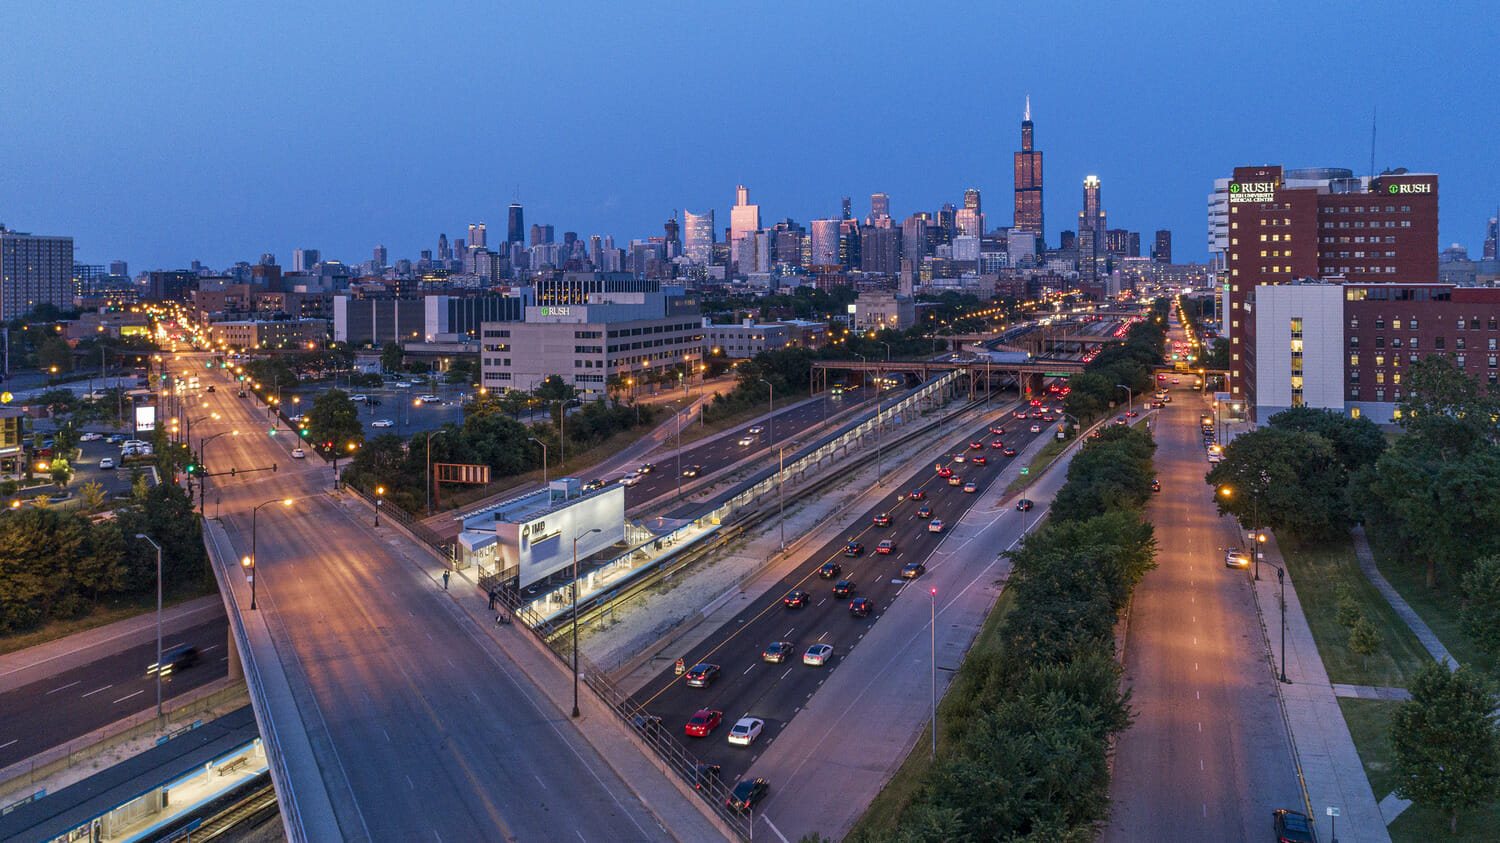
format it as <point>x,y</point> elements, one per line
<point>52,711</point>
<point>776,692</point>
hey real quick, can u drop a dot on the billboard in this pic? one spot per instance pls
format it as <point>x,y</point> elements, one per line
<point>145,418</point>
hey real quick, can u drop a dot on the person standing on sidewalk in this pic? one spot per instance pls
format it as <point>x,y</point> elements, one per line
<point>445,579</point>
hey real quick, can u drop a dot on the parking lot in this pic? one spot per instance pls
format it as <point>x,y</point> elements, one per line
<point>400,406</point>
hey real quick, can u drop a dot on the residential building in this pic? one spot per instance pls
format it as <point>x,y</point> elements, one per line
<point>34,269</point>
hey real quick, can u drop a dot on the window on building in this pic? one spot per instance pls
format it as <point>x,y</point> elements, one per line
<point>1460,359</point>
<point>1440,343</point>
<point>1461,343</point>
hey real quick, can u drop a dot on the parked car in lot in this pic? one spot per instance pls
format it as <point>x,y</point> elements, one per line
<point>817,655</point>
<point>746,730</point>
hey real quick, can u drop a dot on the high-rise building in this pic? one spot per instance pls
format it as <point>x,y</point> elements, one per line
<point>848,208</point>
<point>825,243</point>
<point>1122,243</point>
<point>445,252</point>
<point>947,223</point>
<point>880,206</point>
<point>477,235</point>
<point>969,223</point>
<point>1491,236</point>
<point>1340,227</point>
<point>914,237</point>
<point>1162,251</point>
<point>744,219</point>
<point>303,260</point>
<point>971,201</point>
<point>121,269</point>
<point>1028,167</point>
<point>1091,230</point>
<point>379,257</point>
<point>672,233</point>
<point>699,245</point>
<point>515,229</point>
<point>34,270</point>
<point>880,250</point>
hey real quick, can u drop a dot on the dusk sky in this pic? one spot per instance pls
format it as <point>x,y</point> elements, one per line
<point>161,133</point>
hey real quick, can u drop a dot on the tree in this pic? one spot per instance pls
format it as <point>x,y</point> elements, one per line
<point>91,496</point>
<point>1290,480</point>
<point>392,356</point>
<point>333,422</point>
<point>1447,750</point>
<point>1480,617</point>
<point>1364,637</point>
<point>1452,411</point>
<point>61,471</point>
<point>1358,442</point>
<point>54,352</point>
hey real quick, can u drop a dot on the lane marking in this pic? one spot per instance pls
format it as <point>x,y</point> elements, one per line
<point>91,693</point>
<point>128,696</point>
<point>4,745</point>
<point>64,688</point>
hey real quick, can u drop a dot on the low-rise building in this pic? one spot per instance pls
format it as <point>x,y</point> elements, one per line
<point>283,333</point>
<point>874,311</point>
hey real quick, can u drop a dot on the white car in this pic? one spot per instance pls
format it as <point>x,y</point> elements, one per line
<point>107,462</point>
<point>430,399</point>
<point>935,525</point>
<point>359,398</point>
<point>817,655</point>
<point>1036,428</point>
<point>298,453</point>
<point>630,480</point>
<point>382,423</point>
<point>747,729</point>
<point>959,458</point>
<point>747,440</point>
<point>90,437</point>
<point>402,384</point>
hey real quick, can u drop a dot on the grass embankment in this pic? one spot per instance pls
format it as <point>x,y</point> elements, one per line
<point>1438,606</point>
<point>1317,571</point>
<point>1369,725</point>
<point>1039,463</point>
<point>103,615</point>
<point>879,821</point>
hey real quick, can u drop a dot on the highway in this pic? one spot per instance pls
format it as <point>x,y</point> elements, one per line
<point>1208,756</point>
<point>776,693</point>
<point>422,729</point>
<point>55,710</point>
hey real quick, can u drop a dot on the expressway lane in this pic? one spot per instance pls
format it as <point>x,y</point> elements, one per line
<point>776,693</point>
<point>55,710</point>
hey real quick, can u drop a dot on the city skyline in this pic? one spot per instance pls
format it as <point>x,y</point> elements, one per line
<point>235,160</point>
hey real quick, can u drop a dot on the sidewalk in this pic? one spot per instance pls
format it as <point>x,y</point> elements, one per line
<point>1404,611</point>
<point>1332,775</point>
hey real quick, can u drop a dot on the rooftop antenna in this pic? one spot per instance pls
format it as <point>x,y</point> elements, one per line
<point>1028,108</point>
<point>1374,113</point>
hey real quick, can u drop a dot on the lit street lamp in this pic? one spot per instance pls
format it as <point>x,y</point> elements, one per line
<point>159,666</point>
<point>575,614</point>
<point>379,499</point>
<point>249,561</point>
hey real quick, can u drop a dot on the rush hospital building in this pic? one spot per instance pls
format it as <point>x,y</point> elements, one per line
<point>1332,292</point>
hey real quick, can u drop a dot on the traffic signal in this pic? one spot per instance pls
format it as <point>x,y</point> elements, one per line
<point>191,468</point>
<point>273,431</point>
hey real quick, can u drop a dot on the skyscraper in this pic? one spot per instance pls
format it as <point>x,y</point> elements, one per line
<point>971,200</point>
<point>445,252</point>
<point>880,206</point>
<point>515,230</point>
<point>379,256</point>
<point>477,236</point>
<point>1491,235</point>
<point>1091,231</point>
<point>1162,251</point>
<point>699,245</point>
<point>848,209</point>
<point>303,260</point>
<point>1028,165</point>
<point>825,243</point>
<point>744,219</point>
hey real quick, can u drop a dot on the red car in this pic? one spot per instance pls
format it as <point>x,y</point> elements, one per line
<point>997,430</point>
<point>980,460</point>
<point>704,722</point>
<point>1009,452</point>
<point>997,444</point>
<point>976,445</point>
<point>887,546</point>
<point>945,471</point>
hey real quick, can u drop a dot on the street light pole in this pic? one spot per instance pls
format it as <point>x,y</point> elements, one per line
<point>428,449</point>
<point>253,559</point>
<point>932,627</point>
<point>1281,597</point>
<point>772,421</point>
<point>1129,396</point>
<point>544,459</point>
<point>379,499</point>
<point>575,614</point>
<point>148,539</point>
<point>202,464</point>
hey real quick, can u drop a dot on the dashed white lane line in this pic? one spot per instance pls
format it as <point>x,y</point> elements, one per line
<point>128,696</point>
<point>97,690</point>
<point>64,687</point>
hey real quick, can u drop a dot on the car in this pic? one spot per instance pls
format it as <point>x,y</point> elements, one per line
<point>981,460</point>
<point>106,462</point>
<point>298,454</point>
<point>935,525</point>
<point>704,775</point>
<point>359,399</point>
<point>997,444</point>
<point>630,480</point>
<point>1157,405</point>
<point>1176,380</point>
<point>692,471</point>
<point>971,487</point>
<point>117,438</point>
<point>755,428</point>
<point>945,471</point>
<point>974,446</point>
<point>173,659</point>
<point>830,570</point>
<point>402,385</point>
<point>382,423</point>
<point>1119,419</point>
<point>430,399</point>
<point>1292,827</point>
<point>1236,558</point>
<point>1155,485</point>
<point>210,387</point>
<point>243,395</point>
<point>702,675</point>
<point>860,607</point>
<point>776,652</point>
<point>594,484</point>
<point>747,440</point>
<point>1166,399</point>
<point>886,546</point>
<point>854,548</point>
<point>882,520</point>
<point>997,430</point>
<point>795,599</point>
<point>746,794</point>
<point>1024,505</point>
<point>912,570</point>
<point>924,511</point>
<point>646,468</point>
<point>917,495</point>
<point>746,730</point>
<point>843,588</point>
<point>90,437</point>
<point>955,480</point>
<point>959,458</point>
<point>817,655</point>
<point>703,721</point>
<point>1020,414</point>
<point>1215,458</point>
<point>1130,414</point>
<point>1009,452</point>
<point>1049,417</point>
<point>1036,428</point>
